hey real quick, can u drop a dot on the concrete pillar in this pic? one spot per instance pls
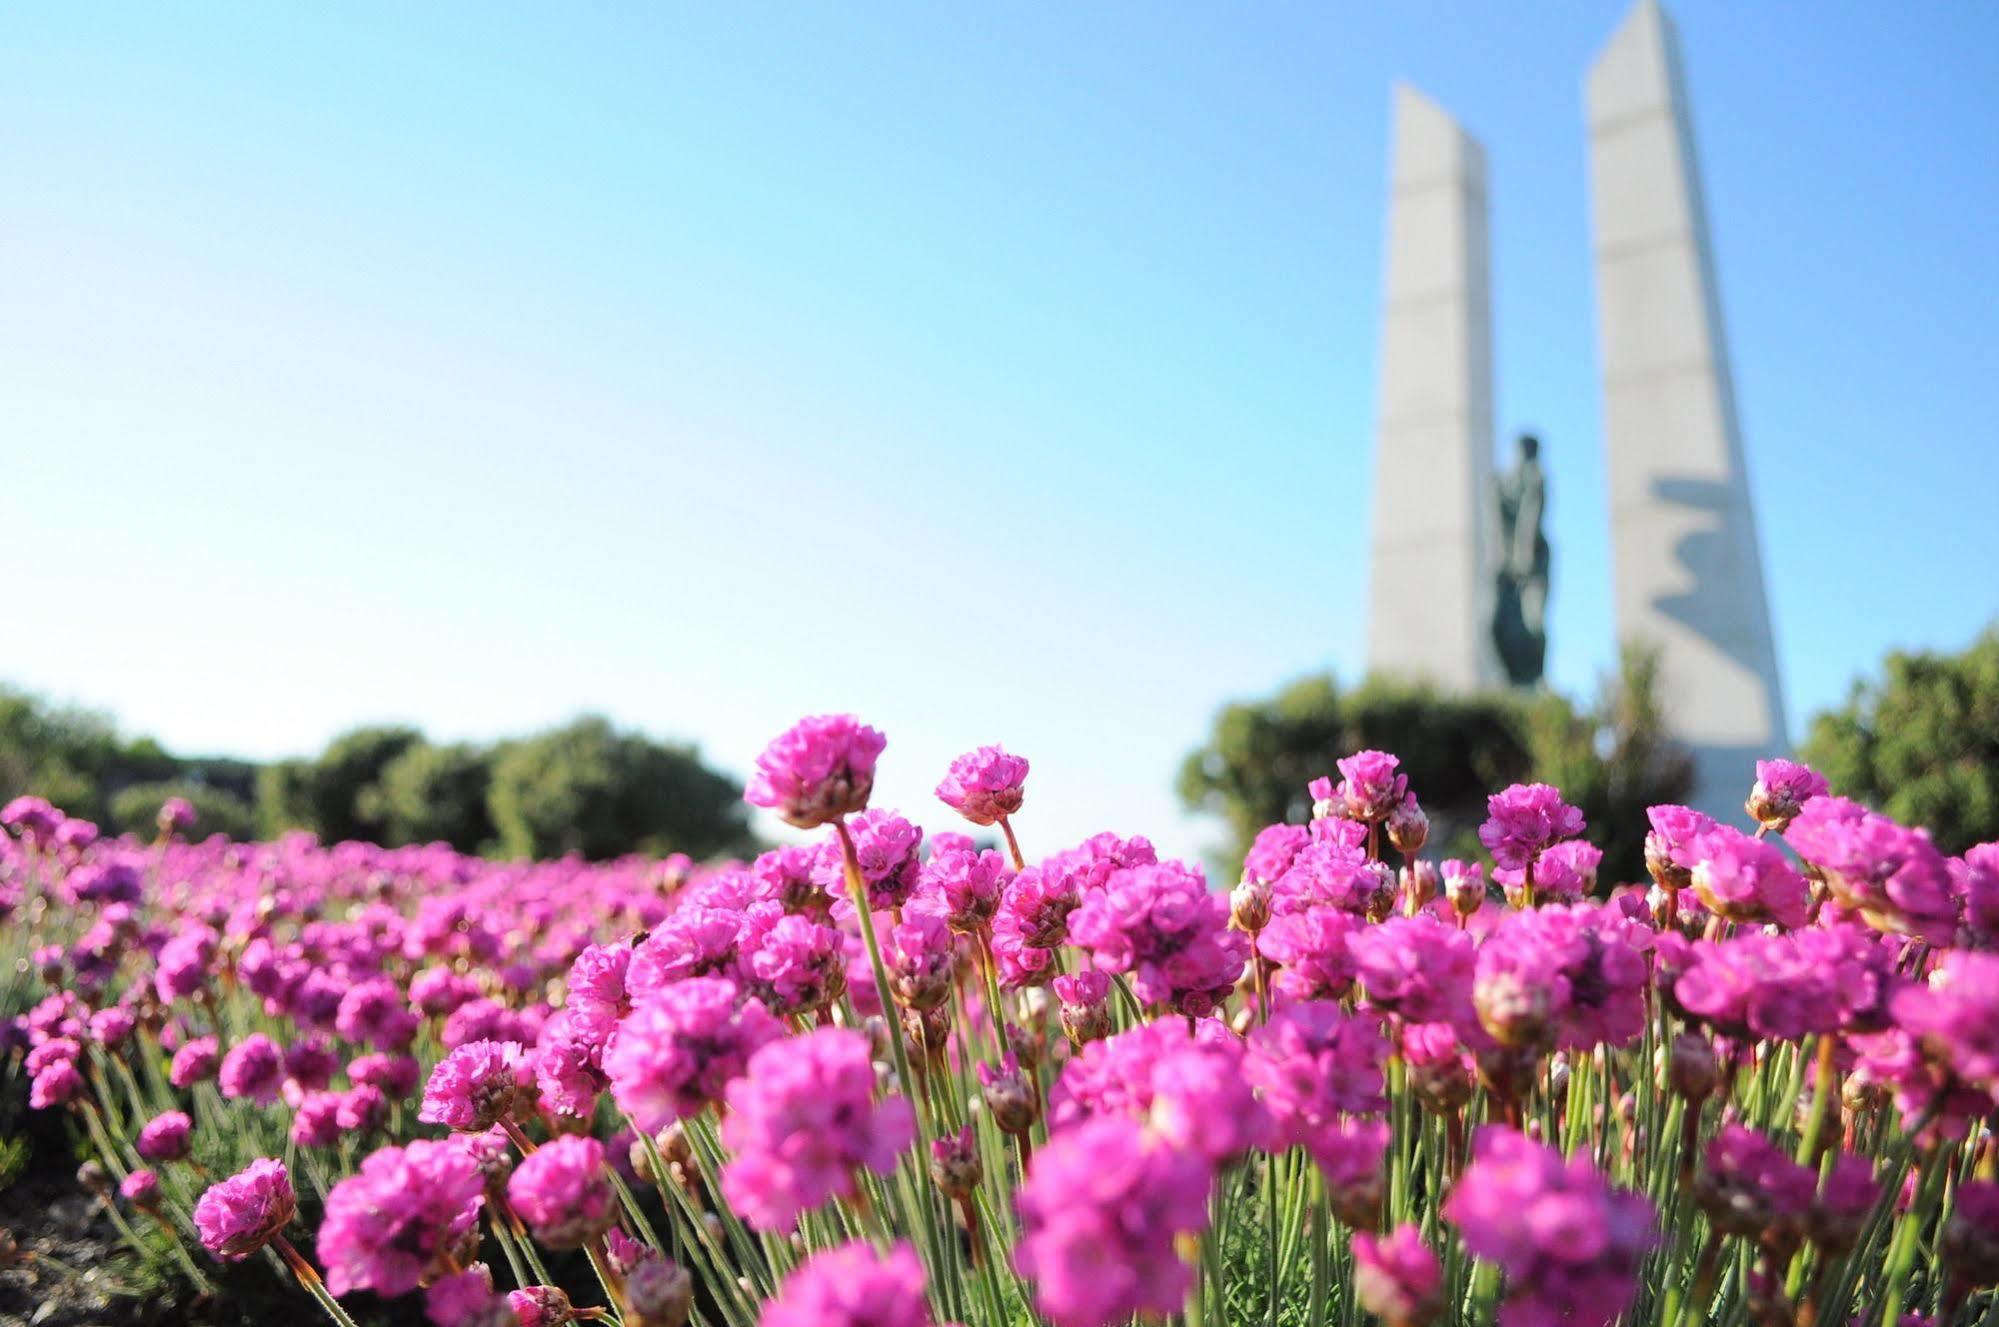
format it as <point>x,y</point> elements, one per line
<point>1430,610</point>
<point>1688,572</point>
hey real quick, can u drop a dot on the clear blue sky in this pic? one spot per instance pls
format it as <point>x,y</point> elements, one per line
<point>997,372</point>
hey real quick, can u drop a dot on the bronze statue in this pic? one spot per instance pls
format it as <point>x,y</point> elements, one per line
<point>1519,613</point>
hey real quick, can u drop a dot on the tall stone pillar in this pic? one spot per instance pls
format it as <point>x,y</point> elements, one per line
<point>1430,610</point>
<point>1688,572</point>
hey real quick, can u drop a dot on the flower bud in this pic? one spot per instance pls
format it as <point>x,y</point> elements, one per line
<point>1408,827</point>
<point>658,1293</point>
<point>1420,884</point>
<point>1249,905</point>
<point>93,1178</point>
<point>541,1306</point>
<point>1010,1095</point>
<point>1514,1010</point>
<point>142,1189</point>
<point>955,1165</point>
<point>1442,1086</point>
<point>926,1032</point>
<point>1464,886</point>
<point>1692,1067</point>
<point>1659,862</point>
<point>1379,886</point>
<point>1086,1009</point>
<point>674,1149</point>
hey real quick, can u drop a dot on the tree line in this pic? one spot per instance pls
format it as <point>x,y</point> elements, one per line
<point>586,787</point>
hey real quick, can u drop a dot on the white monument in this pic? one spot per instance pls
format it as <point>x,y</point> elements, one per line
<point>1688,573</point>
<point>1431,577</point>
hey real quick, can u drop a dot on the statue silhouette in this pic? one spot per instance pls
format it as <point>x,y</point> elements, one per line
<point>1520,608</point>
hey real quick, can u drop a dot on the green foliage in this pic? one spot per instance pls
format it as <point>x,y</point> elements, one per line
<point>335,796</point>
<point>135,810</point>
<point>587,788</point>
<point>1612,759</point>
<point>432,794</point>
<point>73,757</point>
<point>1921,743</point>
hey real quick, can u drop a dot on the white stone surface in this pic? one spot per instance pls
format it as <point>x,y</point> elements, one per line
<point>1430,590</point>
<point>1687,568</point>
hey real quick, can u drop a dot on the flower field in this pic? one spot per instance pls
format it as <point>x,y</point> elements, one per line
<point>887,1078</point>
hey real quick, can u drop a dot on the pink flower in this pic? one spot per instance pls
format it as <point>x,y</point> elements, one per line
<point>1189,1085</point>
<point>984,785</point>
<point>791,963</point>
<point>1335,872</point>
<point>377,1013</point>
<point>1894,877</point>
<point>563,1192</point>
<point>802,1119</point>
<point>969,883</point>
<point>541,1306</point>
<point>243,1213</point>
<point>1313,1063</point>
<point>176,815</point>
<point>1975,877</point>
<point>1371,785</point>
<point>818,770</point>
<point>568,1069</point>
<point>1569,1244</point>
<point>1750,1187</point>
<point>1955,1018</point>
<point>33,818</point>
<point>141,1188</point>
<point>1100,1211</point>
<point>1396,1276</point>
<point>886,847</point>
<point>1781,791</point>
<point>1970,1245</point>
<point>1032,922</point>
<point>254,1068</point>
<point>477,1085</point>
<point>597,998</point>
<point>1564,873</point>
<point>696,941</point>
<point>165,1137</point>
<point>392,1224</point>
<point>194,1062</point>
<point>1161,924</point>
<point>674,1054</point>
<point>1752,986</point>
<point>1416,967</point>
<point>396,1075</point>
<point>55,1082</point>
<point>852,1286</point>
<point>1523,821</point>
<point>1275,848</point>
<point>1313,949</point>
<point>316,1120</point>
<point>1584,964</point>
<point>1748,880</point>
<point>1670,849</point>
<point>467,1299</point>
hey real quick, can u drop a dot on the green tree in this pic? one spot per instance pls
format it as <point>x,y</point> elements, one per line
<point>1921,743</point>
<point>1260,755</point>
<point>1612,758</point>
<point>431,794</point>
<point>333,795</point>
<point>135,810</point>
<point>588,788</point>
<point>73,757</point>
